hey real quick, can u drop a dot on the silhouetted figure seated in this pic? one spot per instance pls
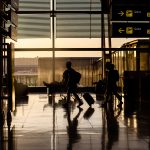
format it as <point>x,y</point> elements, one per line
<point>70,81</point>
<point>111,84</point>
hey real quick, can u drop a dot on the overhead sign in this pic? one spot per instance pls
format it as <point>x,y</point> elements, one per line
<point>13,33</point>
<point>130,10</point>
<point>14,4</point>
<point>130,30</point>
<point>130,2</point>
<point>13,17</point>
<point>130,14</point>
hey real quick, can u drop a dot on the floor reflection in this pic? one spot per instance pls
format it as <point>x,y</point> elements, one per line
<point>72,127</point>
<point>42,122</point>
<point>112,125</point>
<point>7,140</point>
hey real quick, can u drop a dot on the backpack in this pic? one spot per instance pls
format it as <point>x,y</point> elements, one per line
<point>76,77</point>
<point>116,75</point>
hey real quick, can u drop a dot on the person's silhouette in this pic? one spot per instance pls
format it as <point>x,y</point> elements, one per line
<point>69,83</point>
<point>111,85</point>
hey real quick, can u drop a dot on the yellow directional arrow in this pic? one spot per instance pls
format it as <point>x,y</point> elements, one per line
<point>121,30</point>
<point>121,13</point>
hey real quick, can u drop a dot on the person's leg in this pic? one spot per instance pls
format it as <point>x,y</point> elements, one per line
<point>108,97</point>
<point>119,97</point>
<point>77,98</point>
<point>68,96</point>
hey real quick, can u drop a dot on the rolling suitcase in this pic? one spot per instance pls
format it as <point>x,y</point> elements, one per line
<point>88,98</point>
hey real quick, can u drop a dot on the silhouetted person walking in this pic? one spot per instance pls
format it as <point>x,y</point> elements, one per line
<point>70,83</point>
<point>111,85</point>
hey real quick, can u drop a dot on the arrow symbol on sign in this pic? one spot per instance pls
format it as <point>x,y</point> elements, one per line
<point>121,13</point>
<point>121,30</point>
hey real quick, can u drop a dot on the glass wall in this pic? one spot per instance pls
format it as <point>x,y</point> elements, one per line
<point>33,71</point>
<point>44,26</point>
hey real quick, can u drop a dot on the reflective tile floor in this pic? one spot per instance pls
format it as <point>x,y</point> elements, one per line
<point>40,124</point>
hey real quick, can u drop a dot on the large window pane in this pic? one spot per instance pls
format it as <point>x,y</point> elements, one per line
<point>32,71</point>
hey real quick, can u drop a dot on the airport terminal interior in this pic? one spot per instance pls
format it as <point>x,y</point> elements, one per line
<point>37,38</point>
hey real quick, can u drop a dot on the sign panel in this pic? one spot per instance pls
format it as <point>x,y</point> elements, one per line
<point>130,13</point>
<point>132,30</point>
<point>130,10</point>
<point>130,2</point>
<point>15,4</point>
<point>13,33</point>
<point>13,17</point>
